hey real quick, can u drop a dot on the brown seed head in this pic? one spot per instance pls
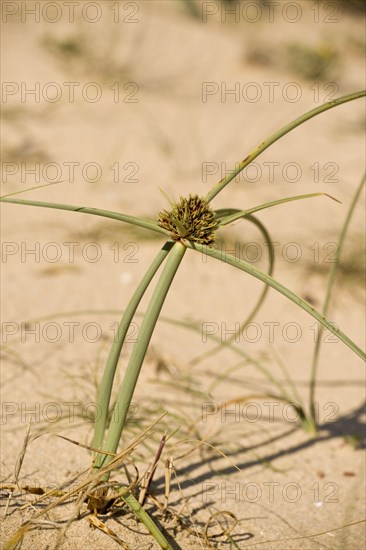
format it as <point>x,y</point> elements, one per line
<point>190,218</point>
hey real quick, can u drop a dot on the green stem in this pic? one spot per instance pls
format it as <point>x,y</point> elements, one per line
<point>144,517</point>
<point>277,135</point>
<point>105,389</point>
<point>330,286</point>
<point>138,354</point>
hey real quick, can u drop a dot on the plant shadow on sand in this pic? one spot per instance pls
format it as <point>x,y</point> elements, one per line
<point>349,426</point>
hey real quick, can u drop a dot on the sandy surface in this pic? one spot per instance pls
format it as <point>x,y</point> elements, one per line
<point>150,127</point>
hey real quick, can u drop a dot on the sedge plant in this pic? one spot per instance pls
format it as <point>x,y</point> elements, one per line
<point>190,223</point>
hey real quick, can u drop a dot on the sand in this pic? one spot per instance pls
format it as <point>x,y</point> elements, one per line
<point>128,98</point>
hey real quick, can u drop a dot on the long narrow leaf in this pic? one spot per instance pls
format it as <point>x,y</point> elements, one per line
<point>330,285</point>
<point>225,220</point>
<point>277,135</point>
<point>258,304</point>
<point>141,222</point>
<point>268,280</point>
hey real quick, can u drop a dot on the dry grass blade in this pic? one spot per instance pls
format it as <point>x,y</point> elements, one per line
<point>23,450</point>
<point>31,489</point>
<point>96,522</point>
<point>308,536</point>
<point>225,531</point>
<point>85,487</point>
<point>150,474</point>
<point>169,467</point>
<point>115,463</point>
<point>88,447</point>
<point>198,444</point>
<point>18,466</point>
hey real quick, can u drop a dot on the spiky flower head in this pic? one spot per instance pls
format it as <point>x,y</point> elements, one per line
<point>190,218</point>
